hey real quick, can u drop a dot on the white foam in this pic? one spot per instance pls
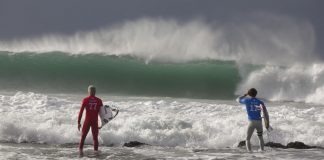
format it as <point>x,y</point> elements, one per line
<point>30,117</point>
<point>296,83</point>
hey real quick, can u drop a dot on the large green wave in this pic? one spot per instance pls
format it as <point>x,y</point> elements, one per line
<point>61,72</point>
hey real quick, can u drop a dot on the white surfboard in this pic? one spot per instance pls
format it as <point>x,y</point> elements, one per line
<point>265,116</point>
<point>106,114</point>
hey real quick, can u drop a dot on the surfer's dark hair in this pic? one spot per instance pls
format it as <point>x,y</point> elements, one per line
<point>252,92</point>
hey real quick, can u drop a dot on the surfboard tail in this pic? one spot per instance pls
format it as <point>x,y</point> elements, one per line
<point>106,114</point>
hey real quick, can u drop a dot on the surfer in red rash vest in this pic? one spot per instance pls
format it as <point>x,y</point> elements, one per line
<point>92,105</point>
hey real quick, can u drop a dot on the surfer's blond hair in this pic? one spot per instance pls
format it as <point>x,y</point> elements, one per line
<point>92,89</point>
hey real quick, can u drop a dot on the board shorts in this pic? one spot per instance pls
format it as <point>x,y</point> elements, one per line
<point>254,124</point>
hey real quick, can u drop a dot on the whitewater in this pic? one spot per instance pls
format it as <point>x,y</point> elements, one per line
<point>163,123</point>
<point>175,84</point>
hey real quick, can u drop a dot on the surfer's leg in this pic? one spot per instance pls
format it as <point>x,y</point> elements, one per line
<point>259,133</point>
<point>249,135</point>
<point>85,130</point>
<point>95,130</point>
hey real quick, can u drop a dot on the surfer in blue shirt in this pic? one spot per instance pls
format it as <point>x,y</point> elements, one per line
<point>254,107</point>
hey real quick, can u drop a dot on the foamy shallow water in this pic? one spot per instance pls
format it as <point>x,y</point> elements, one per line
<point>175,128</point>
<point>43,151</point>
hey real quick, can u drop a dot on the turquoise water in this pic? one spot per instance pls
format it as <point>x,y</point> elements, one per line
<point>63,73</point>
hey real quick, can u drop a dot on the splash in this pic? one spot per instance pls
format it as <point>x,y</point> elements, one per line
<point>262,39</point>
<point>296,83</point>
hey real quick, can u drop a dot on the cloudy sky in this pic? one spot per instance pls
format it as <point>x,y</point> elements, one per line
<point>30,18</point>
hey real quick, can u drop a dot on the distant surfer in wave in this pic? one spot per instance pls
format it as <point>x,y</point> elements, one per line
<point>254,107</point>
<point>92,105</point>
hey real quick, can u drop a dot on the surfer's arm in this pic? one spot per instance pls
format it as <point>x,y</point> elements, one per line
<point>241,99</point>
<point>80,115</point>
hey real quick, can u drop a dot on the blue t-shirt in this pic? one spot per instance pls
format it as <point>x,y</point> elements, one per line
<point>253,107</point>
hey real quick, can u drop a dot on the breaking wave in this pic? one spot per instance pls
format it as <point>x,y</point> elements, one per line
<point>164,57</point>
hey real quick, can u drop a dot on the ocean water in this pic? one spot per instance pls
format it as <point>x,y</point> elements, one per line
<point>57,72</point>
<point>40,126</point>
<point>175,84</point>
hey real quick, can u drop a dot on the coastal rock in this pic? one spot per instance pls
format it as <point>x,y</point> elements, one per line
<point>295,145</point>
<point>275,145</point>
<point>299,145</point>
<point>241,144</point>
<point>133,144</point>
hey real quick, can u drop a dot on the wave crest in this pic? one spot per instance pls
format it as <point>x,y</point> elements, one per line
<point>261,39</point>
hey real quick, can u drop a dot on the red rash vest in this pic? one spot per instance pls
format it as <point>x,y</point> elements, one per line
<point>92,105</point>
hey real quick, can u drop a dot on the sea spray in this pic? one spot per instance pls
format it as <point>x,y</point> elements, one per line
<point>296,83</point>
<point>263,39</point>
